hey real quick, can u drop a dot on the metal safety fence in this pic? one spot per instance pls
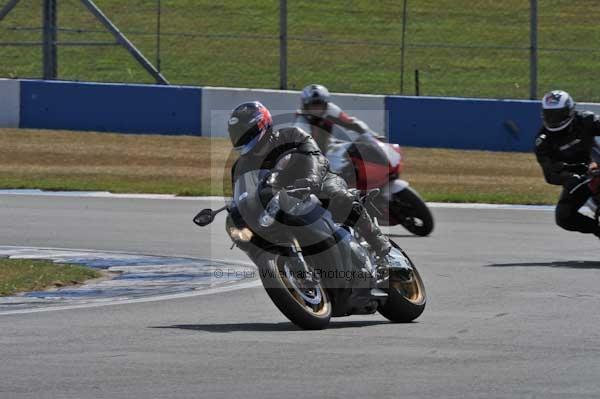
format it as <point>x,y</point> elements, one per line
<point>464,48</point>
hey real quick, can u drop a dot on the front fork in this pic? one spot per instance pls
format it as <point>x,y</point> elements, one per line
<point>301,266</point>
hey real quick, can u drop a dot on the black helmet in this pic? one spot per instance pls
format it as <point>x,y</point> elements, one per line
<point>558,110</point>
<point>248,124</point>
<point>314,94</point>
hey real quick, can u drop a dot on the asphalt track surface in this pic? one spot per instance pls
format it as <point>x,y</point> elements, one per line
<point>513,312</point>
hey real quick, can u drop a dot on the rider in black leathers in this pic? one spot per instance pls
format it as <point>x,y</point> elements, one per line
<point>563,148</point>
<point>296,156</point>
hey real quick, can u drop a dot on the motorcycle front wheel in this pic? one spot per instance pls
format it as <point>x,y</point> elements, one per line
<point>304,303</point>
<point>409,209</point>
<point>406,293</point>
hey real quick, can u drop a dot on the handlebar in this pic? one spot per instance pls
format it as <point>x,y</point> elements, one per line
<point>298,192</point>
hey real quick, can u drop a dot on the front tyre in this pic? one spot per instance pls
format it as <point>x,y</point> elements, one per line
<point>409,209</point>
<point>306,305</point>
<point>406,292</point>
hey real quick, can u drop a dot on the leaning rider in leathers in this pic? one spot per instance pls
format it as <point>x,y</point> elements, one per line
<point>563,149</point>
<point>297,156</point>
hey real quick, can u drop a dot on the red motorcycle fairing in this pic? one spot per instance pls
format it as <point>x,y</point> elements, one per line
<point>370,175</point>
<point>375,162</point>
<point>368,163</point>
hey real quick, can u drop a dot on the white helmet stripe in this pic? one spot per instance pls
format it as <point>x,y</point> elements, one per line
<point>555,99</point>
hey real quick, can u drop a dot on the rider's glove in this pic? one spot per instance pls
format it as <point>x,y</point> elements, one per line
<point>594,173</point>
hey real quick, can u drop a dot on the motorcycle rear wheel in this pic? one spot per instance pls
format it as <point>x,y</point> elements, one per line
<point>406,295</point>
<point>411,212</point>
<point>309,309</point>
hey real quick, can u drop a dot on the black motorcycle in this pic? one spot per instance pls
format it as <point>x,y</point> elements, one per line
<point>312,268</point>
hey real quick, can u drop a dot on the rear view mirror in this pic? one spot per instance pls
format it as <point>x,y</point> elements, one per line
<point>205,217</point>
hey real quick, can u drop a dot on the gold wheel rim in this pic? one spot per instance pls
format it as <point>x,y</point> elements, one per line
<point>411,289</point>
<point>322,309</point>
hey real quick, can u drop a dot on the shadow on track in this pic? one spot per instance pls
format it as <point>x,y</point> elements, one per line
<point>569,264</point>
<point>227,328</point>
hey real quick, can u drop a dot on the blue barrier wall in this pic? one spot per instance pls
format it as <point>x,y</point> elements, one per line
<point>111,107</point>
<point>494,125</point>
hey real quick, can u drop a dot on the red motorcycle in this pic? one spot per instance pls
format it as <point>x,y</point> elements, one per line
<point>367,163</point>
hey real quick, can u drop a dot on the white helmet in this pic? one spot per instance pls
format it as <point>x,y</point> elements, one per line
<point>314,94</point>
<point>558,110</point>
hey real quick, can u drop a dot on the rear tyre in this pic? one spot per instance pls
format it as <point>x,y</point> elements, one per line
<point>409,209</point>
<point>406,293</point>
<point>308,308</point>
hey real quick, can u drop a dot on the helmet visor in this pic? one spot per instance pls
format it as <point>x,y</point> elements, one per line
<point>246,148</point>
<point>557,119</point>
<point>241,133</point>
<point>317,108</point>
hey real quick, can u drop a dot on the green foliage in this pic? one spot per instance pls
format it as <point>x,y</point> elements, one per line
<point>475,48</point>
<point>20,275</point>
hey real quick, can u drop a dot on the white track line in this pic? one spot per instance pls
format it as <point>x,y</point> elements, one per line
<point>105,194</point>
<point>544,208</point>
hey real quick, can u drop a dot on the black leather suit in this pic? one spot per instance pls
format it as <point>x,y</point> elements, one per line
<point>296,155</point>
<point>564,157</point>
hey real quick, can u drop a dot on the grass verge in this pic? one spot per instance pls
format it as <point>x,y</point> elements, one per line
<point>55,160</point>
<point>21,275</point>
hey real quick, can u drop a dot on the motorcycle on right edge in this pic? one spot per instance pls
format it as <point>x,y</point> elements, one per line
<point>367,163</point>
<point>592,207</point>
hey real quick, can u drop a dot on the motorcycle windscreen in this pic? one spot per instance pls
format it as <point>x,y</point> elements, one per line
<point>247,184</point>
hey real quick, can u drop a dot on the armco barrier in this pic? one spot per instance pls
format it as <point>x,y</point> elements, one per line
<point>595,108</point>
<point>494,125</point>
<point>9,102</point>
<point>111,107</point>
<point>217,103</point>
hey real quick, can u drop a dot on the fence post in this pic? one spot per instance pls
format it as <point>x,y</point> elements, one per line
<point>402,49</point>
<point>283,44</point>
<point>158,26</point>
<point>533,50</point>
<point>417,84</point>
<point>49,47</point>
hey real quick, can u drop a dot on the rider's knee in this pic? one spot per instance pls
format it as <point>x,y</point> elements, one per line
<point>564,217</point>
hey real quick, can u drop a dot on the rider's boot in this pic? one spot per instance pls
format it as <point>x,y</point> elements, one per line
<point>372,234</point>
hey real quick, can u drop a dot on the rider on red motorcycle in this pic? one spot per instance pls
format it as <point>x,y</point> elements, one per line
<point>323,115</point>
<point>366,162</point>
